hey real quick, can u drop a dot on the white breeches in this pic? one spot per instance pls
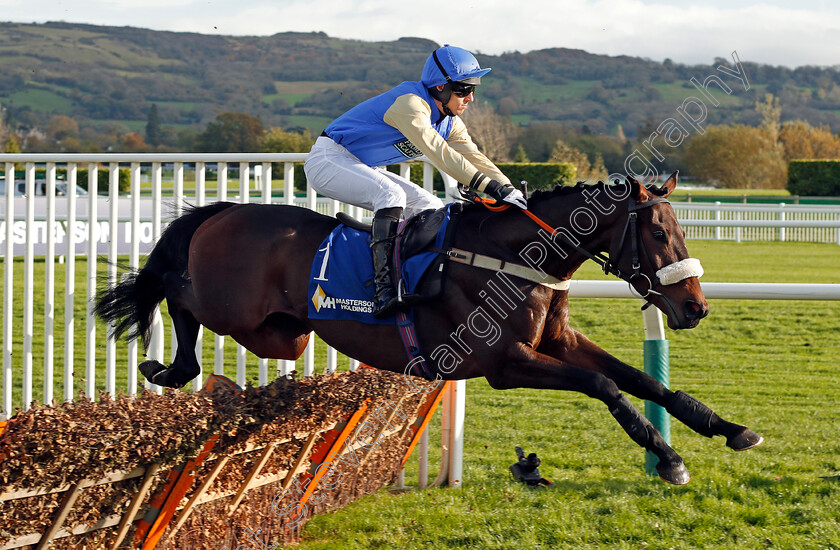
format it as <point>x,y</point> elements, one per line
<point>334,172</point>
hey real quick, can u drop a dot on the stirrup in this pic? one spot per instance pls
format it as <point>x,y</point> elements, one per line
<point>387,309</point>
<point>407,300</point>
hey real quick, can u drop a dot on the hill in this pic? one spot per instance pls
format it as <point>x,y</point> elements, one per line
<point>100,75</point>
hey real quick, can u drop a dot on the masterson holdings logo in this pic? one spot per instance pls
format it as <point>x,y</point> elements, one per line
<point>320,299</point>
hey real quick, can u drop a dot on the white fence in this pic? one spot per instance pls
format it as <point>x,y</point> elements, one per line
<point>752,222</point>
<point>84,225</point>
<point>89,225</point>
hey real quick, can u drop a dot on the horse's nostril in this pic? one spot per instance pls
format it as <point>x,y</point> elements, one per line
<point>694,310</point>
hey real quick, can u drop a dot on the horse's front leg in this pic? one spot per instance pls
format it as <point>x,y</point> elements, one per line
<point>526,368</point>
<point>577,349</point>
<point>185,366</point>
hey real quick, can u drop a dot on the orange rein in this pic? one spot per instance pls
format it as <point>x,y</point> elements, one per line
<point>490,204</point>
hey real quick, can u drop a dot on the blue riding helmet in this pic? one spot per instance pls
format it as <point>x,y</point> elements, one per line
<point>451,64</point>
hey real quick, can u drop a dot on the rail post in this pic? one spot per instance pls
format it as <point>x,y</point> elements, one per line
<point>781,217</point>
<point>656,354</point>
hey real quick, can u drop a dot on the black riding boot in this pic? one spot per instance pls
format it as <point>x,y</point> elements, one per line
<point>382,233</point>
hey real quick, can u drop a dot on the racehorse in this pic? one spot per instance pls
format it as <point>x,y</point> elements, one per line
<point>242,270</point>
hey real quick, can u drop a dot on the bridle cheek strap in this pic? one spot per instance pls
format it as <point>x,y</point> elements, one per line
<point>679,271</point>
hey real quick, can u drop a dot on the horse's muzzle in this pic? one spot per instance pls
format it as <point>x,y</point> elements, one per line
<point>694,311</point>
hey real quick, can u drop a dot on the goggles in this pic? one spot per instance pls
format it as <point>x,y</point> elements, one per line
<point>462,90</point>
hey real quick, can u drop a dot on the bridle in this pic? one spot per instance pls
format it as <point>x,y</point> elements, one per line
<point>630,231</point>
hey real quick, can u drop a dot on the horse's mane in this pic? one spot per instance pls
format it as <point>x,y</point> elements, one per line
<point>561,190</point>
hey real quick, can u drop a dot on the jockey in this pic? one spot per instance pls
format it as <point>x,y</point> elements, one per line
<point>348,160</point>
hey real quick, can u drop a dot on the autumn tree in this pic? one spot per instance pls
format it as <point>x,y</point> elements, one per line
<point>62,127</point>
<point>493,133</point>
<point>771,114</point>
<point>133,143</point>
<point>232,133</point>
<point>736,156</point>
<point>586,170</point>
<point>800,140</point>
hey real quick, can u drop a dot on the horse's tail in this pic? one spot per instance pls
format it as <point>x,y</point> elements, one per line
<point>131,303</point>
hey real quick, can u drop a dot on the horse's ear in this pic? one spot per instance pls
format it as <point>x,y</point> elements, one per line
<point>637,190</point>
<point>670,185</point>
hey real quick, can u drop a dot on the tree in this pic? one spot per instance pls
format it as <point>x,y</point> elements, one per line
<point>586,170</point>
<point>133,143</point>
<point>771,113</point>
<point>507,107</point>
<point>736,156</point>
<point>539,139</point>
<point>12,144</point>
<point>493,133</point>
<point>278,140</point>
<point>3,124</point>
<point>619,134</point>
<point>521,155</point>
<point>802,141</point>
<point>154,132</point>
<point>232,133</point>
<point>62,127</point>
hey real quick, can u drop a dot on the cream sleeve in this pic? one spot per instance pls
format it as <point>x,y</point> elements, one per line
<point>458,157</point>
<point>461,141</point>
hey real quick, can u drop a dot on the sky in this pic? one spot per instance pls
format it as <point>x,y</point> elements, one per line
<point>775,32</point>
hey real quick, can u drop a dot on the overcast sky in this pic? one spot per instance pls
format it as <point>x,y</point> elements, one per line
<point>686,31</point>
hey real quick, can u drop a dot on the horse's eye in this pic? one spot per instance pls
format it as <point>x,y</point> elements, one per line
<point>660,235</point>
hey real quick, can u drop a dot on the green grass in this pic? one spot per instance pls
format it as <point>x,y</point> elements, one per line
<point>675,92</point>
<point>291,99</point>
<point>771,365</point>
<point>535,91</point>
<point>315,123</point>
<point>42,100</point>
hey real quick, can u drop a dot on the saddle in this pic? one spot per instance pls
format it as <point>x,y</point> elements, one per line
<point>415,237</point>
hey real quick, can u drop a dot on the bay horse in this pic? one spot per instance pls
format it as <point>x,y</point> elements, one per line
<point>242,270</point>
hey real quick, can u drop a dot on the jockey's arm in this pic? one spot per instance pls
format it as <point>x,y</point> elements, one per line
<point>459,139</point>
<point>459,157</point>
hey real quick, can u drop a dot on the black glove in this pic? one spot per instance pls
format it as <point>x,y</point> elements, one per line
<point>506,193</point>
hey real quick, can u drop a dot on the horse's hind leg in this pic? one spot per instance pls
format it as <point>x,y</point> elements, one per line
<point>185,367</point>
<point>578,350</point>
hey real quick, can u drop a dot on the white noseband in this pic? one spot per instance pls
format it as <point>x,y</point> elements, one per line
<point>679,271</point>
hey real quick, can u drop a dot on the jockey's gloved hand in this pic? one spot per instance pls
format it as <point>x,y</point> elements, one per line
<point>506,193</point>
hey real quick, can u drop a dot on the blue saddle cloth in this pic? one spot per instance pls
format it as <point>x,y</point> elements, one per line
<point>341,278</point>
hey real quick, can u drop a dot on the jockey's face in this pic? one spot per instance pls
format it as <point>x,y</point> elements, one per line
<point>456,103</point>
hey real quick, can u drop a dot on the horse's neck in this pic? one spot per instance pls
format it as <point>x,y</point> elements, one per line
<point>514,237</point>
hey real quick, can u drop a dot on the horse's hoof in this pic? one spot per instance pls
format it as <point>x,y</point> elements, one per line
<point>150,369</point>
<point>675,473</point>
<point>746,439</point>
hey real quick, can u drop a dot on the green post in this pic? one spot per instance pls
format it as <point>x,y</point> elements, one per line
<point>656,365</point>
